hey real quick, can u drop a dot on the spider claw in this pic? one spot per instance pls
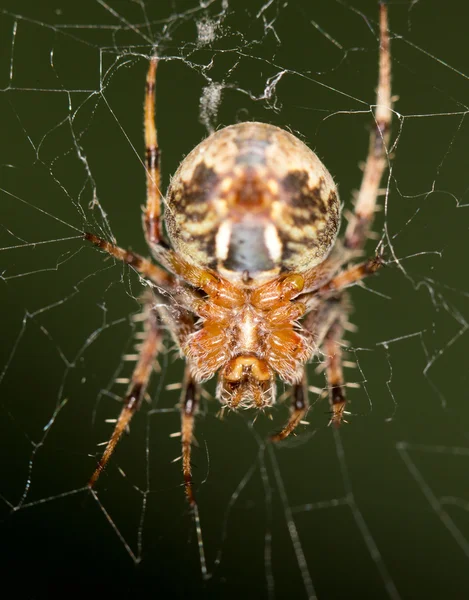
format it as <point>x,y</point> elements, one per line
<point>337,414</point>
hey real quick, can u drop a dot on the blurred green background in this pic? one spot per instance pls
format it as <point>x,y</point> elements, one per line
<point>393,486</point>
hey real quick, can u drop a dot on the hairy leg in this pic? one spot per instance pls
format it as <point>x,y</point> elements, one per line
<point>145,267</point>
<point>378,157</point>
<point>335,377</point>
<point>149,350</point>
<point>319,324</point>
<point>299,408</point>
<point>351,276</point>
<point>189,406</point>
<point>152,215</point>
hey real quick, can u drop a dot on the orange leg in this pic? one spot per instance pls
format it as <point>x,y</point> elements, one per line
<point>189,406</point>
<point>335,376</point>
<point>150,348</point>
<point>378,157</point>
<point>152,216</point>
<point>299,408</point>
<point>352,275</point>
<point>145,267</point>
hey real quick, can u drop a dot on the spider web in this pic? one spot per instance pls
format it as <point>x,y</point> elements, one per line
<point>379,509</point>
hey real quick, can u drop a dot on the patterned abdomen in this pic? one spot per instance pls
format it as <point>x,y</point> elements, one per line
<point>252,201</point>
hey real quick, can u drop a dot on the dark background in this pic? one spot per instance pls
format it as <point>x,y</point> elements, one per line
<point>395,480</point>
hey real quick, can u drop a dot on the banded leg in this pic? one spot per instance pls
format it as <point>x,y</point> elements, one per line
<point>189,406</point>
<point>335,376</point>
<point>299,408</point>
<point>331,291</point>
<point>325,327</point>
<point>149,350</point>
<point>152,216</point>
<point>145,267</point>
<point>351,275</point>
<point>377,160</point>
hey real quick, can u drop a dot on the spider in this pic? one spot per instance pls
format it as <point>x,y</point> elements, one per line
<point>251,283</point>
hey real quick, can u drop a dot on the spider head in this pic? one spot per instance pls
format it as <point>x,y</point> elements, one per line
<point>252,201</point>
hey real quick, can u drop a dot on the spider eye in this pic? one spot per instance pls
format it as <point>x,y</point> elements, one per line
<point>253,198</point>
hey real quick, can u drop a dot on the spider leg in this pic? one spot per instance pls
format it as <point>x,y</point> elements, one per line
<point>152,215</point>
<point>145,267</point>
<point>351,275</point>
<point>335,377</point>
<point>149,350</point>
<point>299,408</point>
<point>318,324</point>
<point>378,157</point>
<point>328,286</point>
<point>189,405</point>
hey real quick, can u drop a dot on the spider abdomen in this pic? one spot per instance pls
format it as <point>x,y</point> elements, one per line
<point>251,201</point>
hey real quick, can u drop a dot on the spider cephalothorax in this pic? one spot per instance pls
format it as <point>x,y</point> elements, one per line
<point>249,338</point>
<point>251,283</point>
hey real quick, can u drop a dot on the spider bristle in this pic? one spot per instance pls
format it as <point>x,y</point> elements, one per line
<point>315,390</point>
<point>173,386</point>
<point>320,368</point>
<point>206,394</point>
